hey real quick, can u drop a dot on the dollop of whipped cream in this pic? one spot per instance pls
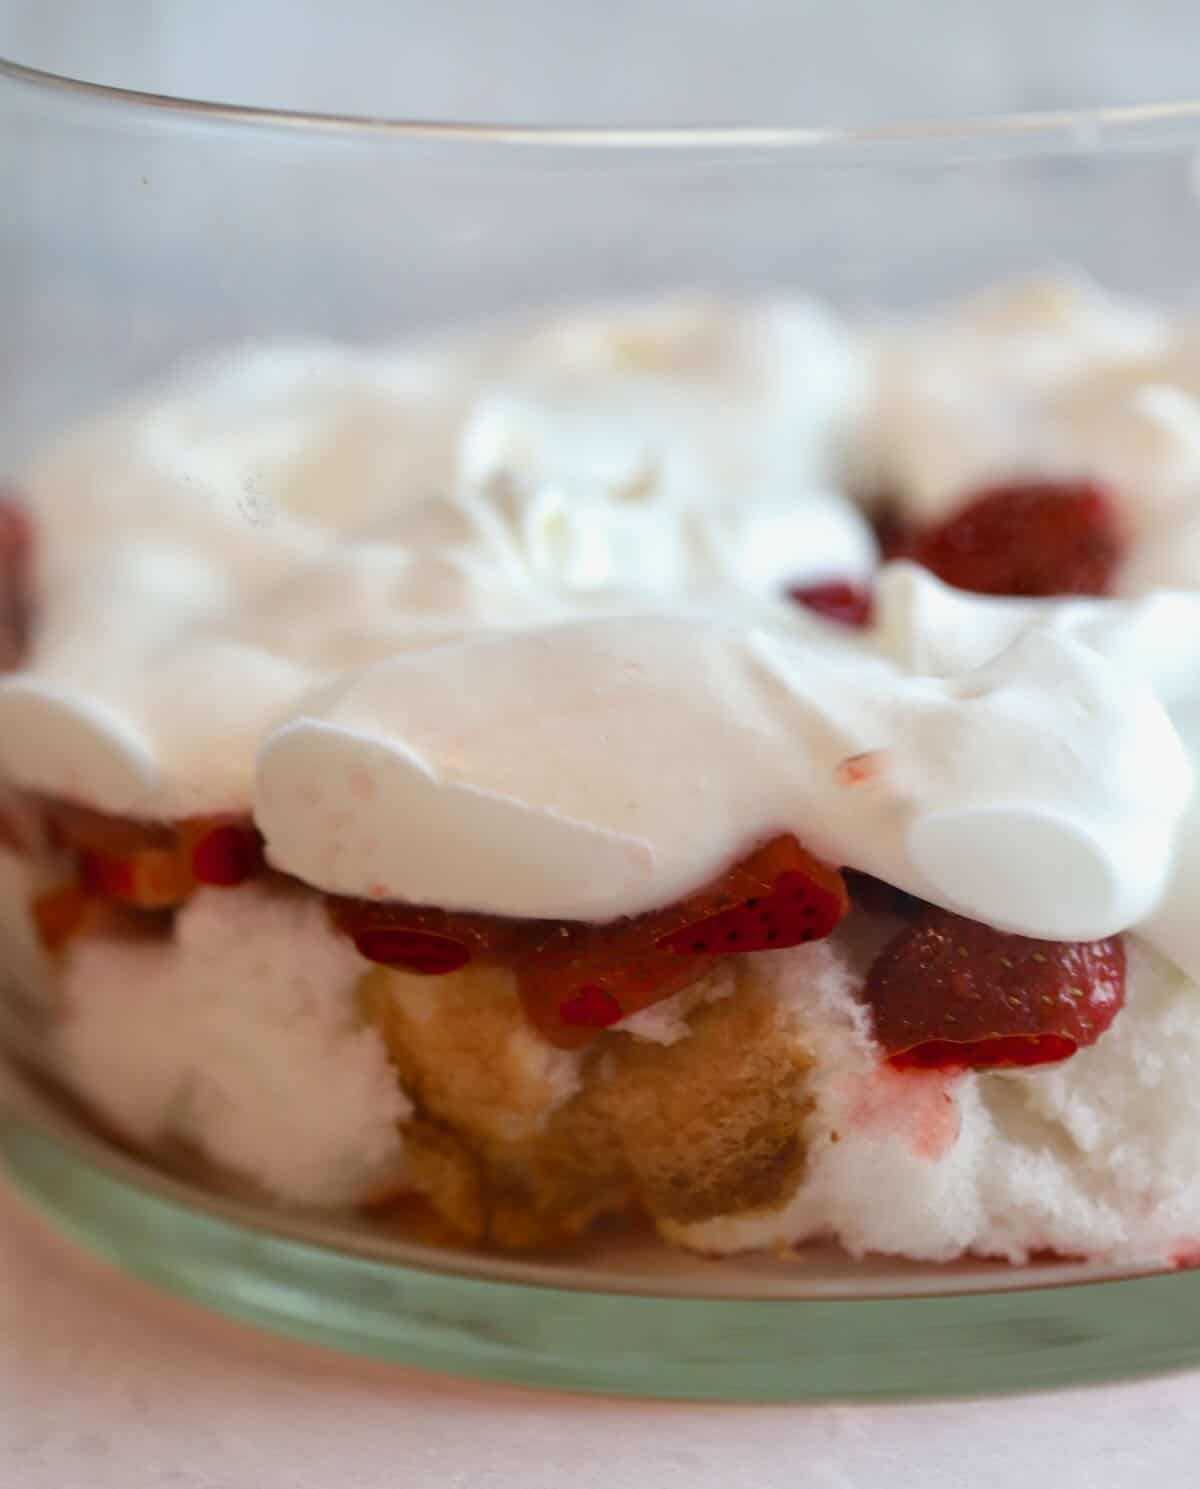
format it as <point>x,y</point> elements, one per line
<point>1045,378</point>
<point>590,769</point>
<point>1152,641</point>
<point>274,519</point>
<point>496,624</point>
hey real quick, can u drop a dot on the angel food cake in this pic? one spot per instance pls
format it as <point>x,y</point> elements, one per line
<point>700,761</point>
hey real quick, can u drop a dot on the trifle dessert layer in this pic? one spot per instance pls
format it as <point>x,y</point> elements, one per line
<point>706,761</point>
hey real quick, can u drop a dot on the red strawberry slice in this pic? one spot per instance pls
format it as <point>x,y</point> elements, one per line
<point>1033,538</point>
<point>779,896</point>
<point>576,978</point>
<point>948,992</point>
<point>153,878</point>
<point>1001,1052</point>
<point>592,976</point>
<point>792,911</point>
<point>154,865</point>
<point>417,951</point>
<point>221,851</point>
<point>419,938</point>
<point>591,1008</point>
<point>848,604</point>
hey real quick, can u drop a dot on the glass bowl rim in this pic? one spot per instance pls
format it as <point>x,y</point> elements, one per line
<point>1035,131</point>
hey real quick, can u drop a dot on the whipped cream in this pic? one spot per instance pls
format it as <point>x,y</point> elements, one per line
<point>1153,641</point>
<point>1045,378</point>
<point>976,393</point>
<point>278,518</point>
<point>496,624</point>
<point>599,767</point>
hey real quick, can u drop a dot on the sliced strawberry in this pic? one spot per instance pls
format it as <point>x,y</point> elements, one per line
<point>848,604</point>
<point>221,851</point>
<point>420,939</point>
<point>591,1008</point>
<point>574,978</point>
<point>1006,1051</point>
<point>419,951</point>
<point>951,992</point>
<point>1028,538</point>
<point>592,976</point>
<point>154,878</point>
<point>782,895</point>
<point>155,864</point>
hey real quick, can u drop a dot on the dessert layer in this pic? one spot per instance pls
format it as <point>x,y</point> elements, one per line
<point>751,1111</point>
<point>501,624</point>
<point>415,608</point>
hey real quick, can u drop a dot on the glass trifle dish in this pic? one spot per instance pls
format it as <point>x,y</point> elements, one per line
<point>570,708</point>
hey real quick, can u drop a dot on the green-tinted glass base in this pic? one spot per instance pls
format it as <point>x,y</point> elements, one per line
<point>635,1325</point>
